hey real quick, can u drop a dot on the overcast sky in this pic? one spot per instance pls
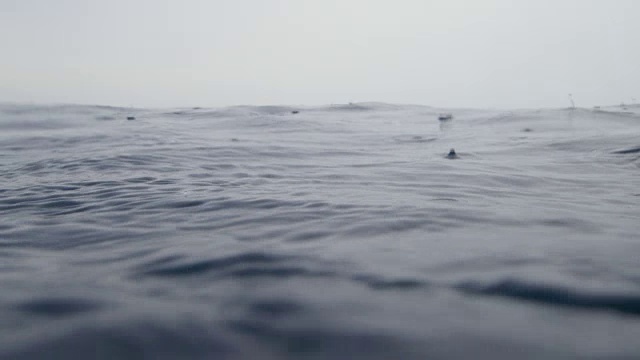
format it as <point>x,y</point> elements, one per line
<point>457,53</point>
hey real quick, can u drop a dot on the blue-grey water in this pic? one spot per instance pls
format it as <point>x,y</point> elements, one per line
<point>338,232</point>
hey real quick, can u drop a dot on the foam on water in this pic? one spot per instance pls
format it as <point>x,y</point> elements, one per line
<point>340,231</point>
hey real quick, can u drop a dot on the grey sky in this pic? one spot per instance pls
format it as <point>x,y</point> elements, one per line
<point>471,53</point>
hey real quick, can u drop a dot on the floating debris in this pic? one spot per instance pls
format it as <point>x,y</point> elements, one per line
<point>131,117</point>
<point>445,117</point>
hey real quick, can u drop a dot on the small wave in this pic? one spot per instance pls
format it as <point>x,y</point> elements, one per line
<point>310,235</point>
<point>275,308</point>
<point>575,224</point>
<point>130,340</point>
<point>57,307</point>
<point>321,343</point>
<point>555,295</point>
<point>244,266</point>
<point>168,268</point>
<point>271,109</point>
<point>280,272</point>
<point>363,106</point>
<point>633,150</point>
<point>349,107</point>
<point>378,283</point>
<point>414,139</point>
<point>105,118</point>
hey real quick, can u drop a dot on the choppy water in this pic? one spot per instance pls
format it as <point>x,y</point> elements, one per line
<point>339,232</point>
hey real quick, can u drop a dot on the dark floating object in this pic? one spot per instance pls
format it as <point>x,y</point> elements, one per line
<point>527,130</point>
<point>445,117</point>
<point>234,139</point>
<point>295,111</point>
<point>452,154</point>
<point>131,117</point>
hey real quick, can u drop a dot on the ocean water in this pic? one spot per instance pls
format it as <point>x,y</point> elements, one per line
<point>337,232</point>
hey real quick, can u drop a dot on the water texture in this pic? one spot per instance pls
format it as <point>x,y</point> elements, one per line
<point>332,232</point>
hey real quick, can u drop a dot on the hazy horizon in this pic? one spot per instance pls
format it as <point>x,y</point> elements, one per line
<point>489,54</point>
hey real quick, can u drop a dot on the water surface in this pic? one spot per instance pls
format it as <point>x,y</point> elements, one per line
<point>337,232</point>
